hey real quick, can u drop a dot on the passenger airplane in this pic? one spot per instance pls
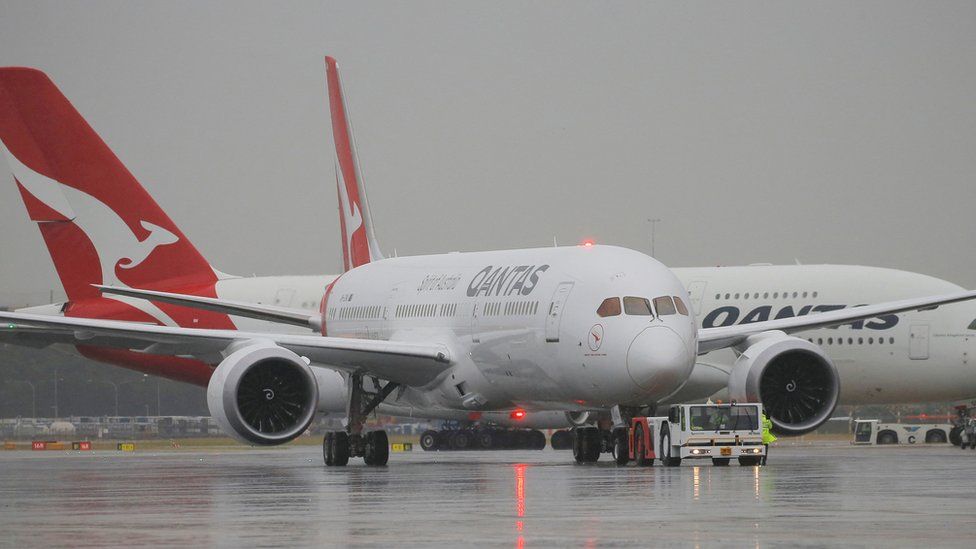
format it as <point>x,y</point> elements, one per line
<point>512,337</point>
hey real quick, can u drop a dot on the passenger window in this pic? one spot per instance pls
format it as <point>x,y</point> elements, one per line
<point>972,326</point>
<point>638,306</point>
<point>664,306</point>
<point>680,306</point>
<point>609,307</point>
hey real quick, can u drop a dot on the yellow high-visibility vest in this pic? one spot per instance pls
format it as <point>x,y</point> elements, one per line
<point>767,435</point>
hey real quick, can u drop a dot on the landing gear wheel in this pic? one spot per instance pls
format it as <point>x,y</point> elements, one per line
<point>428,441</point>
<point>594,444</point>
<point>336,448</point>
<point>887,437</point>
<point>520,440</point>
<point>640,452</point>
<point>666,459</point>
<point>485,440</point>
<point>749,461</point>
<point>537,440</point>
<point>721,462</point>
<point>460,441</point>
<point>587,444</point>
<point>621,449</point>
<point>327,448</point>
<point>377,450</point>
<point>955,435</point>
<point>935,436</point>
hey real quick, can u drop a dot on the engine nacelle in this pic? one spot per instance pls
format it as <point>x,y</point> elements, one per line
<point>796,382</point>
<point>578,419</point>
<point>263,394</point>
<point>333,391</point>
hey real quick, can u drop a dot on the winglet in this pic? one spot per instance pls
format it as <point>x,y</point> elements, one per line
<point>359,245</point>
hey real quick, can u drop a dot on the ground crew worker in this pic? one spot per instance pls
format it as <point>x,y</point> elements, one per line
<point>767,436</point>
<point>970,434</point>
<point>720,420</point>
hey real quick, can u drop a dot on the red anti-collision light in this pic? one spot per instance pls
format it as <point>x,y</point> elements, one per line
<point>517,415</point>
<point>588,243</point>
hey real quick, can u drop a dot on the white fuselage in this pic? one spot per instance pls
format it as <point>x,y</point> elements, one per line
<point>518,323</point>
<point>913,357</point>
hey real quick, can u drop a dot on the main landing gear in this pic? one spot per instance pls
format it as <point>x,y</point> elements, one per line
<point>374,446</point>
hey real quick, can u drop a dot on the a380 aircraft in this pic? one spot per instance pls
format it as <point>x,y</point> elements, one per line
<point>574,329</point>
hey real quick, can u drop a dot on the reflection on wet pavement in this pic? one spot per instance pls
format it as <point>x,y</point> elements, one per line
<point>816,496</point>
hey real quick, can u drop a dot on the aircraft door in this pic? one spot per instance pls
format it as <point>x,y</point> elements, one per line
<point>696,291</point>
<point>918,346</point>
<point>556,311</point>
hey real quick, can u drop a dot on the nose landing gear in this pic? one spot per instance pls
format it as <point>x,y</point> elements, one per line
<point>374,446</point>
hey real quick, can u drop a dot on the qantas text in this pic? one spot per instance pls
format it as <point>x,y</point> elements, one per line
<point>729,315</point>
<point>510,280</point>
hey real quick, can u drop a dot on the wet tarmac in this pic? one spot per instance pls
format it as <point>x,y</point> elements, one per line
<point>825,495</point>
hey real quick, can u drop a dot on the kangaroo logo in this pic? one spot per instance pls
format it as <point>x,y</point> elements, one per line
<point>352,218</point>
<point>114,242</point>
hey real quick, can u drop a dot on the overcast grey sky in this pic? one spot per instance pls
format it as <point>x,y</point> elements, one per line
<point>830,132</point>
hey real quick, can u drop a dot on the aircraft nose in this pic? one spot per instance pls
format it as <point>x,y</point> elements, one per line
<point>658,360</point>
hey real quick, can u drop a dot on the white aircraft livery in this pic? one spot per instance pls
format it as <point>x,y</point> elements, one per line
<point>570,330</point>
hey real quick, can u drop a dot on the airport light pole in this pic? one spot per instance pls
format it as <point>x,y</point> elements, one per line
<point>653,223</point>
<point>115,387</point>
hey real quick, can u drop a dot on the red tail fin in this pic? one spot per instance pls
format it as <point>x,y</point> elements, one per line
<point>358,242</point>
<point>100,225</point>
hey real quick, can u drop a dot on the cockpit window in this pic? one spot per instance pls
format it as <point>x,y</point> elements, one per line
<point>972,326</point>
<point>609,307</point>
<point>638,306</point>
<point>664,306</point>
<point>682,310</point>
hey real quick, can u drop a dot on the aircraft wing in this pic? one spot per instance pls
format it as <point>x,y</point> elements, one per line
<point>283,315</point>
<point>711,339</point>
<point>407,363</point>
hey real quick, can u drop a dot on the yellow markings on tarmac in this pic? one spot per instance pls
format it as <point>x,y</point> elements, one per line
<point>402,447</point>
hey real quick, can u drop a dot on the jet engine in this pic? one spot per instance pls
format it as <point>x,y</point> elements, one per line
<point>263,394</point>
<point>796,382</point>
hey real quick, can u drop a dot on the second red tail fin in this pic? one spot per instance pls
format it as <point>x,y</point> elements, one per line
<point>358,242</point>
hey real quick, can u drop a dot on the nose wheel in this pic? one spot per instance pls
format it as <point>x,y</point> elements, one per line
<point>373,446</point>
